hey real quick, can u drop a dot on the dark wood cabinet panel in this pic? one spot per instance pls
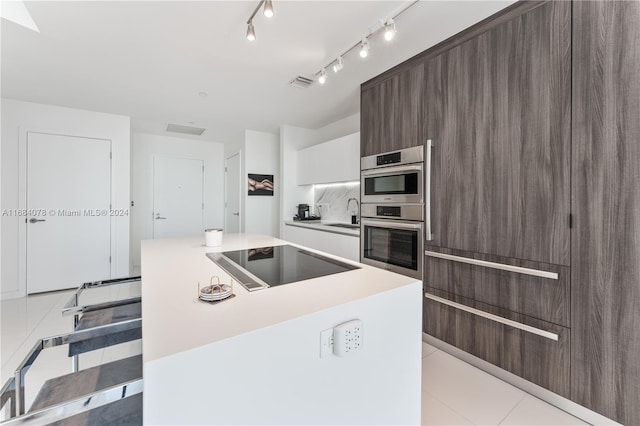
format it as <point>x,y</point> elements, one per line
<point>538,297</point>
<point>605,264</point>
<point>482,338</point>
<point>369,122</point>
<point>536,358</point>
<point>391,113</point>
<point>497,108</point>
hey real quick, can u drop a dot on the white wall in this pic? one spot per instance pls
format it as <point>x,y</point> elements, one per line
<point>18,117</point>
<point>261,214</point>
<point>292,139</point>
<point>144,147</point>
<point>337,129</point>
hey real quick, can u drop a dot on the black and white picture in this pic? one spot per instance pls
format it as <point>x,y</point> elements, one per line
<point>260,184</point>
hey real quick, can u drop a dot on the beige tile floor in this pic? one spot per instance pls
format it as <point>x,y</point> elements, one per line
<point>456,393</point>
<point>453,392</point>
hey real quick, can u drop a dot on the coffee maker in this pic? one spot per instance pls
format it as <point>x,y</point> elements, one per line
<point>303,211</point>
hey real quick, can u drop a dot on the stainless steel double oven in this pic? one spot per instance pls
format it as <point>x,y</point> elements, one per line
<point>393,222</point>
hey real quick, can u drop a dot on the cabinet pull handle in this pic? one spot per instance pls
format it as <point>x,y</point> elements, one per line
<point>427,192</point>
<point>492,317</point>
<point>494,265</point>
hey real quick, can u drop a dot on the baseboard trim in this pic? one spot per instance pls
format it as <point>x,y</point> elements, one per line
<point>554,399</point>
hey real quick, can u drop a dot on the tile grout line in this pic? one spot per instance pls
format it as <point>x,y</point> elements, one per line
<point>449,407</point>
<point>431,353</point>
<point>513,408</point>
<point>35,327</point>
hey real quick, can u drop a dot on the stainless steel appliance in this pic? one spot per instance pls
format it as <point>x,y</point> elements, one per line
<point>392,227</point>
<point>393,177</point>
<point>392,238</point>
<point>264,267</point>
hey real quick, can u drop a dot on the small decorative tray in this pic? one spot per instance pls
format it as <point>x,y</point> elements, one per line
<point>215,293</point>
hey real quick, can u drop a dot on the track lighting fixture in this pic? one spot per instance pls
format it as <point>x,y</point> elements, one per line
<point>323,76</point>
<point>268,12</point>
<point>268,9</point>
<point>386,27</point>
<point>337,67</point>
<point>364,48</point>
<point>389,30</point>
<point>251,32</point>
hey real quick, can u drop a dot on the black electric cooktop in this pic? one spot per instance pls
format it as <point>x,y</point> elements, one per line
<point>263,267</point>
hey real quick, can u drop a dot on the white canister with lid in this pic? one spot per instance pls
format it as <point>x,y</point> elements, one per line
<point>213,237</point>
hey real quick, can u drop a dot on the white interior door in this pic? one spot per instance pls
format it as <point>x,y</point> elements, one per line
<point>232,203</point>
<point>177,197</point>
<point>68,201</point>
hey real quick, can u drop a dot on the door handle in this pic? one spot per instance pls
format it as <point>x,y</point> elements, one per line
<point>34,220</point>
<point>236,214</point>
<point>159,218</point>
<point>427,193</point>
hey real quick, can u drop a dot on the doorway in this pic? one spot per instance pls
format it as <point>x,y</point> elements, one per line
<point>178,207</point>
<point>68,199</point>
<point>232,209</point>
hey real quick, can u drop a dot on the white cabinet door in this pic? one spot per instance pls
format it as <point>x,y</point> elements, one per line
<point>337,160</point>
<point>346,246</point>
<point>308,166</point>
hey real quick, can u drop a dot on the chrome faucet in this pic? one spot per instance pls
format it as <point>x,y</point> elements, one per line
<point>357,206</point>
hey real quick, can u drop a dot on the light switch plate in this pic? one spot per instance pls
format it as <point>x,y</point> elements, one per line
<point>326,343</point>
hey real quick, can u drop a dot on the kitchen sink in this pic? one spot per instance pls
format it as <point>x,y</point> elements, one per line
<point>344,225</point>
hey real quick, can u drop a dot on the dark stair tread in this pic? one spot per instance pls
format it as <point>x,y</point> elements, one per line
<point>105,317</point>
<point>126,412</point>
<point>110,315</point>
<point>75,385</point>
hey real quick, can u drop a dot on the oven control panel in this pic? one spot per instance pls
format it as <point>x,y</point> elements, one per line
<point>389,211</point>
<point>393,158</point>
<point>413,212</point>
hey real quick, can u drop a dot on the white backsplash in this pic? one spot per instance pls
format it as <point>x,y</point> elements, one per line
<point>331,202</point>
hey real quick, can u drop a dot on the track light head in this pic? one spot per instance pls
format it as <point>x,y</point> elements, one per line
<point>323,76</point>
<point>268,9</point>
<point>251,32</point>
<point>389,30</point>
<point>364,48</point>
<point>337,67</point>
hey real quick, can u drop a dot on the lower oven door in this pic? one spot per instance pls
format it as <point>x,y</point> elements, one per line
<point>393,245</point>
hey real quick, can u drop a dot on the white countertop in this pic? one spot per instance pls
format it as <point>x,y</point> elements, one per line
<point>174,320</point>
<point>324,226</point>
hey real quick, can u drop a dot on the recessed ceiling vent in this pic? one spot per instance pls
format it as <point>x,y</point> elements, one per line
<point>301,82</point>
<point>187,130</point>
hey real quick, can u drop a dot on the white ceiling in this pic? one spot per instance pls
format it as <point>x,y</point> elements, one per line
<point>150,60</point>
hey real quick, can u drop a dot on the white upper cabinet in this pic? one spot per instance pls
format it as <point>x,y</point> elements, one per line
<point>337,160</point>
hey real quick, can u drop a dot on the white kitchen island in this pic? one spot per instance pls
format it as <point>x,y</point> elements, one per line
<point>255,359</point>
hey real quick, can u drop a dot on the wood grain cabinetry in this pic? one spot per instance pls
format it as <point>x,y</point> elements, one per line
<point>605,263</point>
<point>391,114</point>
<point>528,292</point>
<point>539,359</point>
<point>497,108</point>
<point>535,118</point>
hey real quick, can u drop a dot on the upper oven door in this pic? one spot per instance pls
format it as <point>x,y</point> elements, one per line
<point>393,245</point>
<point>399,184</point>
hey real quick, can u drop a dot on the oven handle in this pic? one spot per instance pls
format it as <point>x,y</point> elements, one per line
<point>427,193</point>
<point>385,171</point>
<point>391,224</point>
